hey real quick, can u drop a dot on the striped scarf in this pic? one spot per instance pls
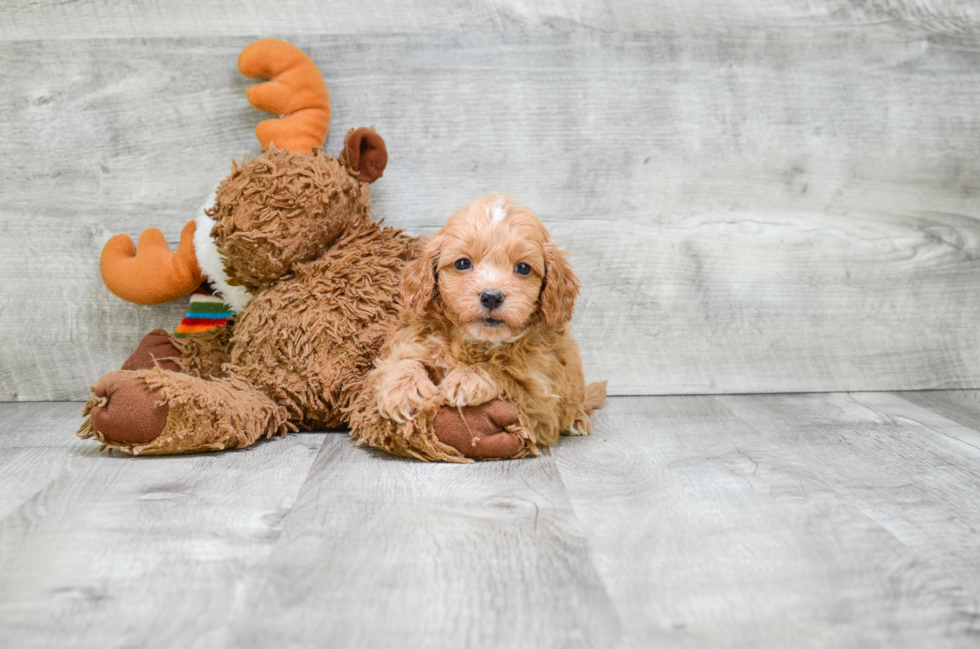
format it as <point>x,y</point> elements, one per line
<point>206,311</point>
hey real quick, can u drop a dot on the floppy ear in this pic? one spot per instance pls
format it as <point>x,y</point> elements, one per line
<point>365,154</point>
<point>419,279</point>
<point>560,288</point>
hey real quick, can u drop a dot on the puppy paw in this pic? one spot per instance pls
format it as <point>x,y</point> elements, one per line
<point>581,426</point>
<point>402,391</point>
<point>468,386</point>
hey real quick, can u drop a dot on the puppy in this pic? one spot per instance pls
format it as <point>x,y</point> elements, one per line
<point>485,315</point>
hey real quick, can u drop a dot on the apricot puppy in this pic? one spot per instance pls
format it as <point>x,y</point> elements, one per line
<point>485,315</point>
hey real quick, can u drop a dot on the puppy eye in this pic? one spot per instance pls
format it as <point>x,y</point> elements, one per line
<point>522,269</point>
<point>463,264</point>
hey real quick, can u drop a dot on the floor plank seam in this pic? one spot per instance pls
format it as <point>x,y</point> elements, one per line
<point>969,447</point>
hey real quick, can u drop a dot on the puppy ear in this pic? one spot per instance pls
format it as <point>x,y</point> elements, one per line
<point>561,287</point>
<point>419,279</point>
<point>365,154</point>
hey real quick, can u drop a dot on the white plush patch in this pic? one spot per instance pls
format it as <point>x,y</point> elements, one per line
<point>212,263</point>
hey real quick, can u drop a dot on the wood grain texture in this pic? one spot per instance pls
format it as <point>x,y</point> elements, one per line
<point>771,521</point>
<point>99,550</point>
<point>34,443</point>
<point>736,521</point>
<point>748,213</point>
<point>964,433</point>
<point>904,467</point>
<point>399,553</point>
<point>30,20</point>
<point>961,406</point>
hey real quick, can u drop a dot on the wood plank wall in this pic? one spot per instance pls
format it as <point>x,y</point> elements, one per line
<point>759,196</point>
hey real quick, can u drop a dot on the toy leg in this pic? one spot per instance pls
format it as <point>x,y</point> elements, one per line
<point>200,354</point>
<point>155,345</point>
<point>161,412</point>
<point>203,354</point>
<point>443,434</point>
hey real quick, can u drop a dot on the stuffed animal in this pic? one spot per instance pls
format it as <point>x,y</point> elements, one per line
<point>290,249</point>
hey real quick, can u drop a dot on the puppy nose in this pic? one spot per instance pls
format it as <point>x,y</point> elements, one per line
<point>491,299</point>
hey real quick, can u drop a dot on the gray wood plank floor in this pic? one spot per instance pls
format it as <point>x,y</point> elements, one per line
<point>723,521</point>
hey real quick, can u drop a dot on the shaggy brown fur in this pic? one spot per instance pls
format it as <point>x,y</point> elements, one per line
<point>277,210</point>
<point>203,354</point>
<point>451,347</point>
<point>204,415</point>
<point>297,232</point>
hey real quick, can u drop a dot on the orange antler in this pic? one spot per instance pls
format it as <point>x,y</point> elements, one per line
<point>150,273</point>
<point>295,91</point>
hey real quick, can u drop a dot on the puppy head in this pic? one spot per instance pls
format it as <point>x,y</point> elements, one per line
<point>493,268</point>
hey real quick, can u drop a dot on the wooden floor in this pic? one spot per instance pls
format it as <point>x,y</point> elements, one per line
<point>743,521</point>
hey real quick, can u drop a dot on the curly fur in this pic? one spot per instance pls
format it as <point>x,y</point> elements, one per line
<point>450,348</point>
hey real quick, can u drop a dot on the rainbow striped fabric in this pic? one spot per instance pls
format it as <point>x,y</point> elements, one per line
<point>206,311</point>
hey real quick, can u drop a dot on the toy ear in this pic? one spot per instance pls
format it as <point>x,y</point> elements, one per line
<point>419,279</point>
<point>561,287</point>
<point>365,154</point>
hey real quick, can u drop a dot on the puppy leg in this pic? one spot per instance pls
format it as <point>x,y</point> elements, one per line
<point>402,387</point>
<point>581,426</point>
<point>468,386</point>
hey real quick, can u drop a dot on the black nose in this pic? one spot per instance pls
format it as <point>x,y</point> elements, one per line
<point>491,299</point>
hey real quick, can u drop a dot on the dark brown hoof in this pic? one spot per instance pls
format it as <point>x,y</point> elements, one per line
<point>129,413</point>
<point>155,344</point>
<point>479,433</point>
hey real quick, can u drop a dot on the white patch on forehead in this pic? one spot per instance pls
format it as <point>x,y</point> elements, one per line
<point>497,213</point>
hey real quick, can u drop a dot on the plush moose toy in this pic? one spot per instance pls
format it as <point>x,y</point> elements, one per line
<point>291,248</point>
